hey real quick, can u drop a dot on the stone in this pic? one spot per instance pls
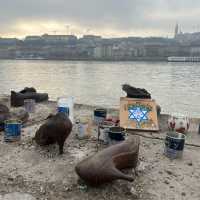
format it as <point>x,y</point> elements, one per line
<point>17,196</point>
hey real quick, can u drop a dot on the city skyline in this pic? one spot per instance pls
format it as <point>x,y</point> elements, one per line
<point>144,18</point>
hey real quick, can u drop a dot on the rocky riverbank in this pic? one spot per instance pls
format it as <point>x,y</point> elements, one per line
<point>31,172</point>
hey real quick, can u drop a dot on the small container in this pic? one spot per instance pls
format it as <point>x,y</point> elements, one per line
<point>12,131</point>
<point>99,115</point>
<point>29,105</point>
<point>174,145</point>
<point>66,105</point>
<point>83,128</point>
<point>104,129</point>
<point>116,133</point>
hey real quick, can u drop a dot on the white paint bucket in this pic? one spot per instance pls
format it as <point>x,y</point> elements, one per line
<point>83,129</point>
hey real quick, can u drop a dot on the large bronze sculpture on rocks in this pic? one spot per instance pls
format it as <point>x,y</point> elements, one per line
<point>55,130</point>
<point>105,166</point>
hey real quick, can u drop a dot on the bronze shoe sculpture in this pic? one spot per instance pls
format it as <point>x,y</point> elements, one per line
<point>27,89</point>
<point>133,92</point>
<point>55,130</point>
<point>17,98</point>
<point>105,166</point>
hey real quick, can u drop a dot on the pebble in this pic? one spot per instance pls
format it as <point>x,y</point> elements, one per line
<point>17,196</point>
<point>42,190</point>
<point>134,192</point>
<point>183,194</point>
<point>169,172</point>
<point>166,182</point>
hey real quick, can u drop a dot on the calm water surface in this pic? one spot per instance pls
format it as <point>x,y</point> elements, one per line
<point>175,86</point>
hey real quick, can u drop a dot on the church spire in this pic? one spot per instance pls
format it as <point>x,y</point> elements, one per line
<point>176,30</point>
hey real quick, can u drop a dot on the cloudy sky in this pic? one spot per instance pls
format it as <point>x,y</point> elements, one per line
<point>109,18</point>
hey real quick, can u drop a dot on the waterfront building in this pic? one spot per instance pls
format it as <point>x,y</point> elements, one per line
<point>59,39</point>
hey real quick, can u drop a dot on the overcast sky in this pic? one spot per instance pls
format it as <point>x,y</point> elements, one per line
<point>109,18</point>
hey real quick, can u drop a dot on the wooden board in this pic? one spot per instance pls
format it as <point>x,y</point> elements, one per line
<point>138,114</point>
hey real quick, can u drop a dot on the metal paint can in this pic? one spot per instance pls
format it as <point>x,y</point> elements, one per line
<point>116,134</point>
<point>104,129</point>
<point>12,131</point>
<point>29,105</point>
<point>174,145</point>
<point>99,115</point>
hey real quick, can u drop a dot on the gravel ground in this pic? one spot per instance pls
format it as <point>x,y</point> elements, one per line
<point>28,171</point>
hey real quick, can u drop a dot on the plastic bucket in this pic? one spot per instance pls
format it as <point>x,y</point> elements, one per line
<point>174,145</point>
<point>12,130</point>
<point>83,127</point>
<point>66,105</point>
<point>63,110</point>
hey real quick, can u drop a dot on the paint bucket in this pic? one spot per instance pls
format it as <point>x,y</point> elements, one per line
<point>29,105</point>
<point>104,129</point>
<point>12,130</point>
<point>63,110</point>
<point>116,134</point>
<point>83,128</point>
<point>66,105</point>
<point>99,115</point>
<point>174,145</point>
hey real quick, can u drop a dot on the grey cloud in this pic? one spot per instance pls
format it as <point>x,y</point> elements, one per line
<point>123,15</point>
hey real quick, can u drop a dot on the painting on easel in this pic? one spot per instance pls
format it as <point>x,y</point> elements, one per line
<point>138,114</point>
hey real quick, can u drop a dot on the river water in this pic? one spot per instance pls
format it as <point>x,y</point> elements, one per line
<point>175,86</point>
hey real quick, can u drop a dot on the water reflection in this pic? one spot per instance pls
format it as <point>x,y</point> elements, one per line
<point>175,86</point>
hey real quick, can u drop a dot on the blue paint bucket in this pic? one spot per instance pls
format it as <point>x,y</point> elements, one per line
<point>174,145</point>
<point>99,115</point>
<point>64,110</point>
<point>12,130</point>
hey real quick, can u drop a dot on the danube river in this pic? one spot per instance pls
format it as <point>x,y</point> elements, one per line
<point>175,86</point>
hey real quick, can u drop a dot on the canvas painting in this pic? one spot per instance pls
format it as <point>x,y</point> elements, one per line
<point>139,114</point>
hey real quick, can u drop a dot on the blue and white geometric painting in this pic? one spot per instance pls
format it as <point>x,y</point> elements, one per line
<point>138,114</point>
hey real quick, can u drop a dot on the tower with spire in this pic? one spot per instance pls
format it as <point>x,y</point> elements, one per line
<point>176,30</point>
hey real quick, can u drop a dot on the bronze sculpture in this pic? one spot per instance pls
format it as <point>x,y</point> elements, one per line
<point>17,98</point>
<point>55,130</point>
<point>105,166</point>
